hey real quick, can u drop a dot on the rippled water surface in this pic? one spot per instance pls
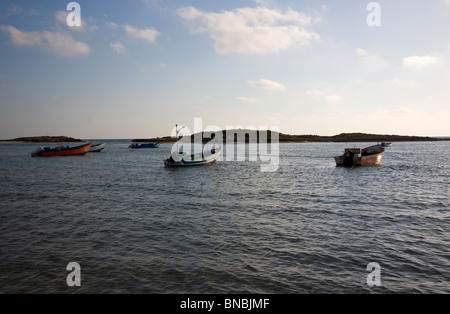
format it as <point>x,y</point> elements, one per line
<point>137,227</point>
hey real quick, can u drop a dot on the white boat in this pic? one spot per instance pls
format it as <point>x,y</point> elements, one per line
<point>368,156</point>
<point>97,148</point>
<point>180,159</point>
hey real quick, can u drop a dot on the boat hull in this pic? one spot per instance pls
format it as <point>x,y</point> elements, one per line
<point>97,148</point>
<point>184,163</point>
<point>62,151</point>
<point>146,145</point>
<point>175,161</point>
<point>373,160</point>
<point>369,156</point>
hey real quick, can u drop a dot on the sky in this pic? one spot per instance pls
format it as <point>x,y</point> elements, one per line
<point>134,69</point>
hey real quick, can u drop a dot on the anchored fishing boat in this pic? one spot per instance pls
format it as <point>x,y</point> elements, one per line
<point>386,144</point>
<point>63,150</point>
<point>179,159</point>
<point>144,145</point>
<point>368,156</point>
<point>97,148</point>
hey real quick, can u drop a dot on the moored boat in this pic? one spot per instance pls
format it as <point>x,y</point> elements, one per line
<point>386,144</point>
<point>144,145</point>
<point>63,150</point>
<point>368,156</point>
<point>178,159</point>
<point>97,148</point>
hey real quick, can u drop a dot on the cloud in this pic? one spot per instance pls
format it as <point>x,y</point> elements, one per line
<point>14,9</point>
<point>247,99</point>
<point>117,47</point>
<point>266,85</point>
<point>61,16</point>
<point>405,83</point>
<point>64,45</point>
<point>147,34</point>
<point>332,98</point>
<point>153,3</point>
<point>112,25</point>
<point>370,61</point>
<point>328,97</point>
<point>419,62</point>
<point>251,31</point>
<point>361,52</point>
<point>22,38</point>
<point>61,44</point>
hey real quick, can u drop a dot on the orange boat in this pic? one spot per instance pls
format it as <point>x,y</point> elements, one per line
<point>64,150</point>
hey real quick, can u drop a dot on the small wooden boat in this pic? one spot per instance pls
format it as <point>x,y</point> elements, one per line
<point>144,145</point>
<point>178,159</point>
<point>368,156</point>
<point>386,144</point>
<point>63,150</point>
<point>97,148</point>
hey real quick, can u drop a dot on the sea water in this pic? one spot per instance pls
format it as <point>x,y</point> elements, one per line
<point>135,226</point>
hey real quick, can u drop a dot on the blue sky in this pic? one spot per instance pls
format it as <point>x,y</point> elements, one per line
<point>135,68</point>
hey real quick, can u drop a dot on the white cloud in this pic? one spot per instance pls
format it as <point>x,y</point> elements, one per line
<point>61,16</point>
<point>147,34</point>
<point>64,45</point>
<point>153,3</point>
<point>22,38</point>
<point>315,92</point>
<point>267,85</point>
<point>370,61</point>
<point>60,44</point>
<point>251,31</point>
<point>361,52</point>
<point>332,98</point>
<point>247,99</point>
<point>405,83</point>
<point>14,9</point>
<point>117,47</point>
<point>328,97</point>
<point>112,24</point>
<point>419,62</point>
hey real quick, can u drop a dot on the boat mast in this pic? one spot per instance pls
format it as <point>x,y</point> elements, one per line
<point>176,134</point>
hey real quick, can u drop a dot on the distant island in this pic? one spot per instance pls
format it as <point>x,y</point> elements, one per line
<point>44,139</point>
<point>287,138</point>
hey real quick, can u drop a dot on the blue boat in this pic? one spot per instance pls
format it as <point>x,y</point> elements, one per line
<point>144,145</point>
